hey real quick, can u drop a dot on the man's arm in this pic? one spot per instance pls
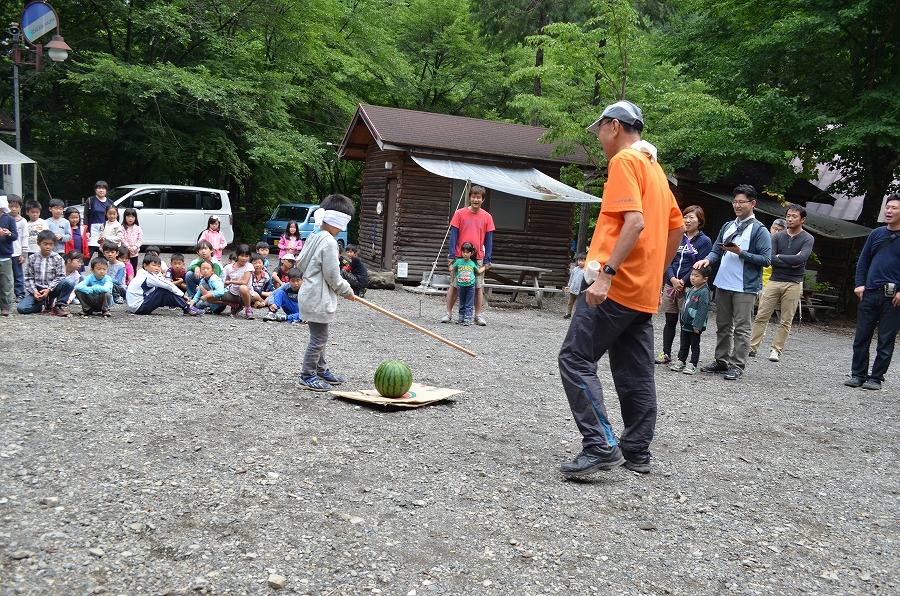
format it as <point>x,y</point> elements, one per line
<point>632,226</point>
<point>488,247</point>
<point>798,259</point>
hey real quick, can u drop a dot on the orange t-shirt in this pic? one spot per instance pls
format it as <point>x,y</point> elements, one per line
<point>636,184</point>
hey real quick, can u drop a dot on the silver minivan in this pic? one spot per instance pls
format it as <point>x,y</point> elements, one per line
<point>172,215</point>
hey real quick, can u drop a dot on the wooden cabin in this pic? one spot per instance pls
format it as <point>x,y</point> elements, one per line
<point>405,209</point>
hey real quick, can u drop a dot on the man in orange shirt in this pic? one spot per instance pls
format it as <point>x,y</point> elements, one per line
<point>638,231</point>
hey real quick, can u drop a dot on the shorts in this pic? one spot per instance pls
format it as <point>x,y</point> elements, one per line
<point>234,290</point>
<point>670,302</point>
<point>479,277</point>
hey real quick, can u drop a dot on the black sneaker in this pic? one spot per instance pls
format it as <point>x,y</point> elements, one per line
<point>717,366</point>
<point>854,382</point>
<point>593,460</point>
<point>636,461</point>
<point>734,373</point>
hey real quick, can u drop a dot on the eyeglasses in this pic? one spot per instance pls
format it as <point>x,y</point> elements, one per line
<point>736,203</point>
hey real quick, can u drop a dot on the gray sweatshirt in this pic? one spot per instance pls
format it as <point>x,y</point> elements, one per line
<point>792,254</point>
<point>322,281</point>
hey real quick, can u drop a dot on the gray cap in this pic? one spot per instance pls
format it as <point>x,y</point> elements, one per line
<point>623,111</point>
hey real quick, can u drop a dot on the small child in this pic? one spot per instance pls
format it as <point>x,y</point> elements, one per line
<point>20,245</point>
<point>465,269</point>
<point>79,239</point>
<point>237,283</point>
<point>282,274</point>
<point>285,298</point>
<point>45,279</point>
<point>36,225</point>
<point>116,271</point>
<point>133,235</point>
<point>124,258</point>
<point>154,250</point>
<point>575,278</point>
<point>262,248</point>
<point>95,291</point>
<point>318,294</point>
<point>693,321</point>
<point>59,225</point>
<point>214,236</point>
<point>112,230</point>
<point>354,271</point>
<point>74,261</point>
<point>290,241</point>
<point>209,287</point>
<point>260,281</point>
<point>204,252</point>
<point>177,271</point>
<point>9,233</point>
<point>150,290</point>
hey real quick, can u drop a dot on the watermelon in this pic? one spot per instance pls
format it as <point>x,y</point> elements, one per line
<point>393,378</point>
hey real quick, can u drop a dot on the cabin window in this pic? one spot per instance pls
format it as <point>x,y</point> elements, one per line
<point>508,211</point>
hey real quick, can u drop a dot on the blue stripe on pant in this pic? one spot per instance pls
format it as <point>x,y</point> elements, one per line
<point>628,337</point>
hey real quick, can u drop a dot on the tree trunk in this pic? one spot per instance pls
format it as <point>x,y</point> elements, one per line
<point>581,244</point>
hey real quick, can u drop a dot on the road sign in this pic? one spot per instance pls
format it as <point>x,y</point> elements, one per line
<point>38,19</point>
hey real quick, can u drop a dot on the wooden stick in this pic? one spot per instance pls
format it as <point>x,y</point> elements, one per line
<point>414,326</point>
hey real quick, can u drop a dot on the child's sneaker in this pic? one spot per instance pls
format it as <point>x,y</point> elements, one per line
<point>104,312</point>
<point>567,316</point>
<point>60,310</point>
<point>447,318</point>
<point>313,383</point>
<point>678,366</point>
<point>332,378</point>
<point>236,309</point>
<point>119,300</point>
<point>663,359</point>
<point>192,312</point>
<point>270,316</point>
<point>690,369</point>
<point>467,322</point>
<point>249,314</point>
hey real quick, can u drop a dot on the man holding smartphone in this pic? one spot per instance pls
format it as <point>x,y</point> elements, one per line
<point>878,289</point>
<point>743,247</point>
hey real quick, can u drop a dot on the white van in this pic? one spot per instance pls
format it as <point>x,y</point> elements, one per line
<point>174,215</point>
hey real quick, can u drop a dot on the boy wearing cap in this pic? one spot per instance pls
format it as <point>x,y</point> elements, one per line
<point>322,284</point>
<point>282,274</point>
<point>638,231</point>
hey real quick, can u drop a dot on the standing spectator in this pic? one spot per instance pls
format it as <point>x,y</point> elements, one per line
<point>59,225</point>
<point>36,225</point>
<point>744,247</point>
<point>471,224</point>
<point>95,214</point>
<point>79,239</point>
<point>290,241</point>
<point>637,234</point>
<point>214,236</point>
<point>695,245</point>
<point>877,284</point>
<point>9,233</point>
<point>790,251</point>
<point>132,235</point>
<point>573,288</point>
<point>20,246</point>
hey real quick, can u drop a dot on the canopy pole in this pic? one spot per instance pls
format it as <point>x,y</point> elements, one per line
<point>430,278</point>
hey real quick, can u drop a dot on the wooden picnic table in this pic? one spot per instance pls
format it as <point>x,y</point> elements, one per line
<point>517,278</point>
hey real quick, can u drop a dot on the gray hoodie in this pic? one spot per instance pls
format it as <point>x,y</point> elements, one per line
<point>322,281</point>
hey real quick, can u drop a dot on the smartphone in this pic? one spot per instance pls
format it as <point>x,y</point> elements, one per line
<point>728,244</point>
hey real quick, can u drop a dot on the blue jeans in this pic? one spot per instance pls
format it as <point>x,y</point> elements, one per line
<point>192,283</point>
<point>281,300</point>
<point>466,302</point>
<point>18,277</point>
<point>30,306</point>
<point>874,309</point>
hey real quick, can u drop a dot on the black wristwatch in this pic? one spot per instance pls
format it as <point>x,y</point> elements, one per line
<point>609,270</point>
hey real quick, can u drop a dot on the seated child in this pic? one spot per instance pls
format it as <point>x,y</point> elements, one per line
<point>45,279</point>
<point>693,321</point>
<point>322,284</point>
<point>150,290</point>
<point>285,298</point>
<point>74,261</point>
<point>282,274</point>
<point>262,248</point>
<point>116,271</point>
<point>176,272</point>
<point>95,291</point>
<point>236,277</point>
<point>124,258</point>
<point>154,250</point>
<point>354,271</point>
<point>576,276</point>
<point>204,251</point>
<point>209,287</point>
<point>260,281</point>
<point>465,269</point>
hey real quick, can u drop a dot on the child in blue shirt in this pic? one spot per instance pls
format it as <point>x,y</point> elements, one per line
<point>95,291</point>
<point>285,298</point>
<point>209,285</point>
<point>465,269</point>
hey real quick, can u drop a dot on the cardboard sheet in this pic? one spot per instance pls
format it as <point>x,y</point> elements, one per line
<point>418,395</point>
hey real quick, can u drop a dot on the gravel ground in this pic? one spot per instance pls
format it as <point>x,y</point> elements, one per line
<point>169,455</point>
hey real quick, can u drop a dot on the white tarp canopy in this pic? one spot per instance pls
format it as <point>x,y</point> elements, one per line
<point>522,182</point>
<point>8,155</point>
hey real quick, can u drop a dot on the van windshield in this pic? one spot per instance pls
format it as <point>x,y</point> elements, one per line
<point>117,193</point>
<point>289,212</point>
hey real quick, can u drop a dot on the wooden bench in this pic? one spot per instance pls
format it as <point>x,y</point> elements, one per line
<point>516,289</point>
